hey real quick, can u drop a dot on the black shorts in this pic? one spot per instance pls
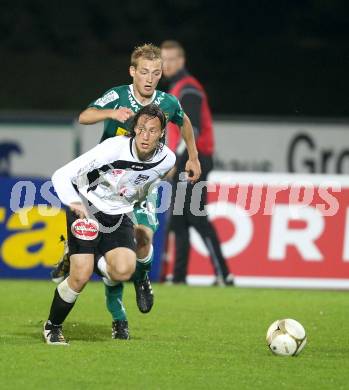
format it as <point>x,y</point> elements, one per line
<point>120,234</point>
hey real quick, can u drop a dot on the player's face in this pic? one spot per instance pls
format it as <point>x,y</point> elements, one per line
<point>146,77</point>
<point>172,62</point>
<point>148,133</point>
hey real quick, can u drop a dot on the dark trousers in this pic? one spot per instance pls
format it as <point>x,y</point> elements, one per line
<point>180,224</point>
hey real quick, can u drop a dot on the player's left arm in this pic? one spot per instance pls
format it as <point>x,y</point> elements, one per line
<point>192,166</point>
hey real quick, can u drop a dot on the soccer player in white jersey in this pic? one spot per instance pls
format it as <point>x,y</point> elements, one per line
<point>115,108</point>
<point>100,188</point>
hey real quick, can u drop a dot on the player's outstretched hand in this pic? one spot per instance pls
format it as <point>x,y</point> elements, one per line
<point>121,114</point>
<point>193,168</point>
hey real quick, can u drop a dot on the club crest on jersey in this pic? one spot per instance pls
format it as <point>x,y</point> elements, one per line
<point>141,179</point>
<point>85,229</point>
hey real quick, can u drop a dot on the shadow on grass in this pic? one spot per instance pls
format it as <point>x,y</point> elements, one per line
<point>81,331</point>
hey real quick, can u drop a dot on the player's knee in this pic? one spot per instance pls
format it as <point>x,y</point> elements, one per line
<point>79,281</point>
<point>123,277</point>
<point>120,275</point>
<point>122,271</point>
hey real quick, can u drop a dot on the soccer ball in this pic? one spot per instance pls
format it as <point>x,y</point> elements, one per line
<point>286,337</point>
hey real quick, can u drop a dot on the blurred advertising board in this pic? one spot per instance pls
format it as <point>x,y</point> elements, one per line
<point>277,230</point>
<point>273,146</point>
<point>282,147</point>
<point>28,150</point>
<point>31,223</point>
<point>89,135</point>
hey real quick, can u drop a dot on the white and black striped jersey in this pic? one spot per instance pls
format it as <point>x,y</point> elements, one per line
<point>111,176</point>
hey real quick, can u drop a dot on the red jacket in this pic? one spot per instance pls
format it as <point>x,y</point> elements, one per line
<point>204,141</point>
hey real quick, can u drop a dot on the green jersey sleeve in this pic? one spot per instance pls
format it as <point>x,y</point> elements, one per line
<point>177,114</point>
<point>109,100</point>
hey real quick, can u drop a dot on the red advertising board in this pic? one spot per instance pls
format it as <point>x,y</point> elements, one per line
<point>277,230</point>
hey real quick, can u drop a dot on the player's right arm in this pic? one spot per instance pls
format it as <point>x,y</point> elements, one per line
<point>93,115</point>
<point>104,108</point>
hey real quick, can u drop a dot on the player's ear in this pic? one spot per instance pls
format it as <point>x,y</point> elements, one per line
<point>132,71</point>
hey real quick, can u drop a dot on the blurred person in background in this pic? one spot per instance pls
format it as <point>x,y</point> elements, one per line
<point>194,102</point>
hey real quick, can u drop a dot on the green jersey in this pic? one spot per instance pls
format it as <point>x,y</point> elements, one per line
<point>123,96</point>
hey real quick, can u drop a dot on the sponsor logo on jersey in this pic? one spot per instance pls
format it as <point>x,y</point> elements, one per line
<point>85,229</point>
<point>135,166</point>
<point>87,168</point>
<point>118,172</point>
<point>141,179</point>
<point>107,98</point>
<point>133,102</point>
<point>159,99</point>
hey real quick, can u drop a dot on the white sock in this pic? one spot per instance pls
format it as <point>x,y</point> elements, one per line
<point>148,257</point>
<point>66,293</point>
<point>102,266</point>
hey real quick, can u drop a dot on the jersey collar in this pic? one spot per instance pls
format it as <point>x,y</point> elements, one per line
<point>134,97</point>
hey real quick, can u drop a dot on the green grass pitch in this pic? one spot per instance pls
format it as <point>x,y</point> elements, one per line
<point>194,338</point>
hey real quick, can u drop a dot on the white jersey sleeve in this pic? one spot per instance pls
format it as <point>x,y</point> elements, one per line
<point>64,177</point>
<point>168,162</point>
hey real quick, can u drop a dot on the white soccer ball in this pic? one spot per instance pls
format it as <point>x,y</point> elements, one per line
<point>286,337</point>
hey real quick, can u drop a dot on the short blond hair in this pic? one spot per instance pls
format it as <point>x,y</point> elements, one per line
<point>170,44</point>
<point>147,51</point>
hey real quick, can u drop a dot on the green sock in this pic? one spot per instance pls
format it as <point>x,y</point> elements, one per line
<point>113,298</point>
<point>142,270</point>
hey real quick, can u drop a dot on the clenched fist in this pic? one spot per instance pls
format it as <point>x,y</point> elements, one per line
<point>121,114</point>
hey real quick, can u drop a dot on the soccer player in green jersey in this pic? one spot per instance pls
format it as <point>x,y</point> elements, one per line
<point>116,108</point>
